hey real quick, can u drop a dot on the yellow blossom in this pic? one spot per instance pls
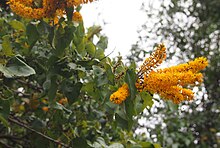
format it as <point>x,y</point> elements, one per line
<point>169,83</point>
<point>49,8</point>
<point>77,17</point>
<point>155,59</point>
<point>120,95</point>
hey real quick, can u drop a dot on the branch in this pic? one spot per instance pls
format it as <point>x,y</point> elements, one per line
<point>4,145</point>
<point>30,85</point>
<point>10,119</point>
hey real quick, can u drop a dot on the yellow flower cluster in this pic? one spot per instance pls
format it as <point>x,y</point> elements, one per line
<point>155,59</point>
<point>170,82</point>
<point>120,95</point>
<point>49,8</point>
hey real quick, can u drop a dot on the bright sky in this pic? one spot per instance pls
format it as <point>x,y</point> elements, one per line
<point>120,20</point>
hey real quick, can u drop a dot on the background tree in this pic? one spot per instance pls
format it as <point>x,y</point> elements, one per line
<point>190,29</point>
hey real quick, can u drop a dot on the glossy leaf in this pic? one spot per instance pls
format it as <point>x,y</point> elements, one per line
<point>16,67</point>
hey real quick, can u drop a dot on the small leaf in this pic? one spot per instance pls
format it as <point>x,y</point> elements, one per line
<point>6,45</point>
<point>90,48</point>
<point>116,145</point>
<point>4,121</point>
<point>17,25</point>
<point>143,100</point>
<point>32,34</point>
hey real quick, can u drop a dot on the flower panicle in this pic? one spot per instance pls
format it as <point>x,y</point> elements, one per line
<point>169,83</point>
<point>195,66</point>
<point>155,59</point>
<point>49,8</point>
<point>120,95</point>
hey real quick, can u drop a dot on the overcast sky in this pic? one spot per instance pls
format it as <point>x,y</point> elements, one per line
<point>120,20</point>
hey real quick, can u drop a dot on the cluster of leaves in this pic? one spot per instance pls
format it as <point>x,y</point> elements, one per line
<point>42,65</point>
<point>192,28</point>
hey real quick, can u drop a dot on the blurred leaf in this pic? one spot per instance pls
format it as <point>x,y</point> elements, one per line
<point>79,143</point>
<point>71,90</point>
<point>116,145</point>
<point>90,48</point>
<point>102,43</point>
<point>143,100</point>
<point>6,45</point>
<point>146,144</point>
<point>62,39</point>
<point>17,25</point>
<point>32,34</point>
<point>16,67</point>
<point>4,108</point>
<point>130,79</point>
<point>121,119</point>
<point>4,121</point>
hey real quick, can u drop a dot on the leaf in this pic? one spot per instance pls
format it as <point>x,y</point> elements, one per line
<point>4,121</point>
<point>6,45</point>
<point>90,48</point>
<point>79,142</point>
<point>121,121</point>
<point>146,144</point>
<point>116,145</point>
<point>98,71</point>
<point>71,90</point>
<point>53,88</point>
<point>62,39</point>
<point>102,43</point>
<point>16,68</point>
<point>130,79</point>
<point>143,100</point>
<point>4,108</point>
<point>17,25</point>
<point>32,34</point>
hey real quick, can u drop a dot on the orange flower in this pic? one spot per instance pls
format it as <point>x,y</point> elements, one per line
<point>120,95</point>
<point>45,109</point>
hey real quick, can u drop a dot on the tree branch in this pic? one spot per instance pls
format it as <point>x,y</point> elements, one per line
<point>10,119</point>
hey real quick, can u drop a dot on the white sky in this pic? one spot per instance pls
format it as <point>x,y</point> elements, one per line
<point>120,20</point>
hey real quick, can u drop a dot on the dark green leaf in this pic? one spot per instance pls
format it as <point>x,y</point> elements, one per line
<point>32,34</point>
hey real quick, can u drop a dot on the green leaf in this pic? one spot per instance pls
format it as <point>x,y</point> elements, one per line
<point>102,43</point>
<point>71,90</point>
<point>146,144</point>
<point>130,79</point>
<point>4,108</point>
<point>4,121</point>
<point>53,88</point>
<point>90,48</point>
<point>143,100</point>
<point>17,25</point>
<point>116,145</point>
<point>79,143</point>
<point>121,120</point>
<point>32,34</point>
<point>6,45</point>
<point>62,39</point>
<point>99,54</point>
<point>98,71</point>
<point>16,67</point>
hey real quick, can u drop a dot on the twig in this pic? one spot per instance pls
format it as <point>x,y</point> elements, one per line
<point>10,119</point>
<point>4,145</point>
<point>34,87</point>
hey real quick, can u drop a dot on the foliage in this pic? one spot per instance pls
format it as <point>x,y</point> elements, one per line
<point>55,87</point>
<point>192,28</point>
